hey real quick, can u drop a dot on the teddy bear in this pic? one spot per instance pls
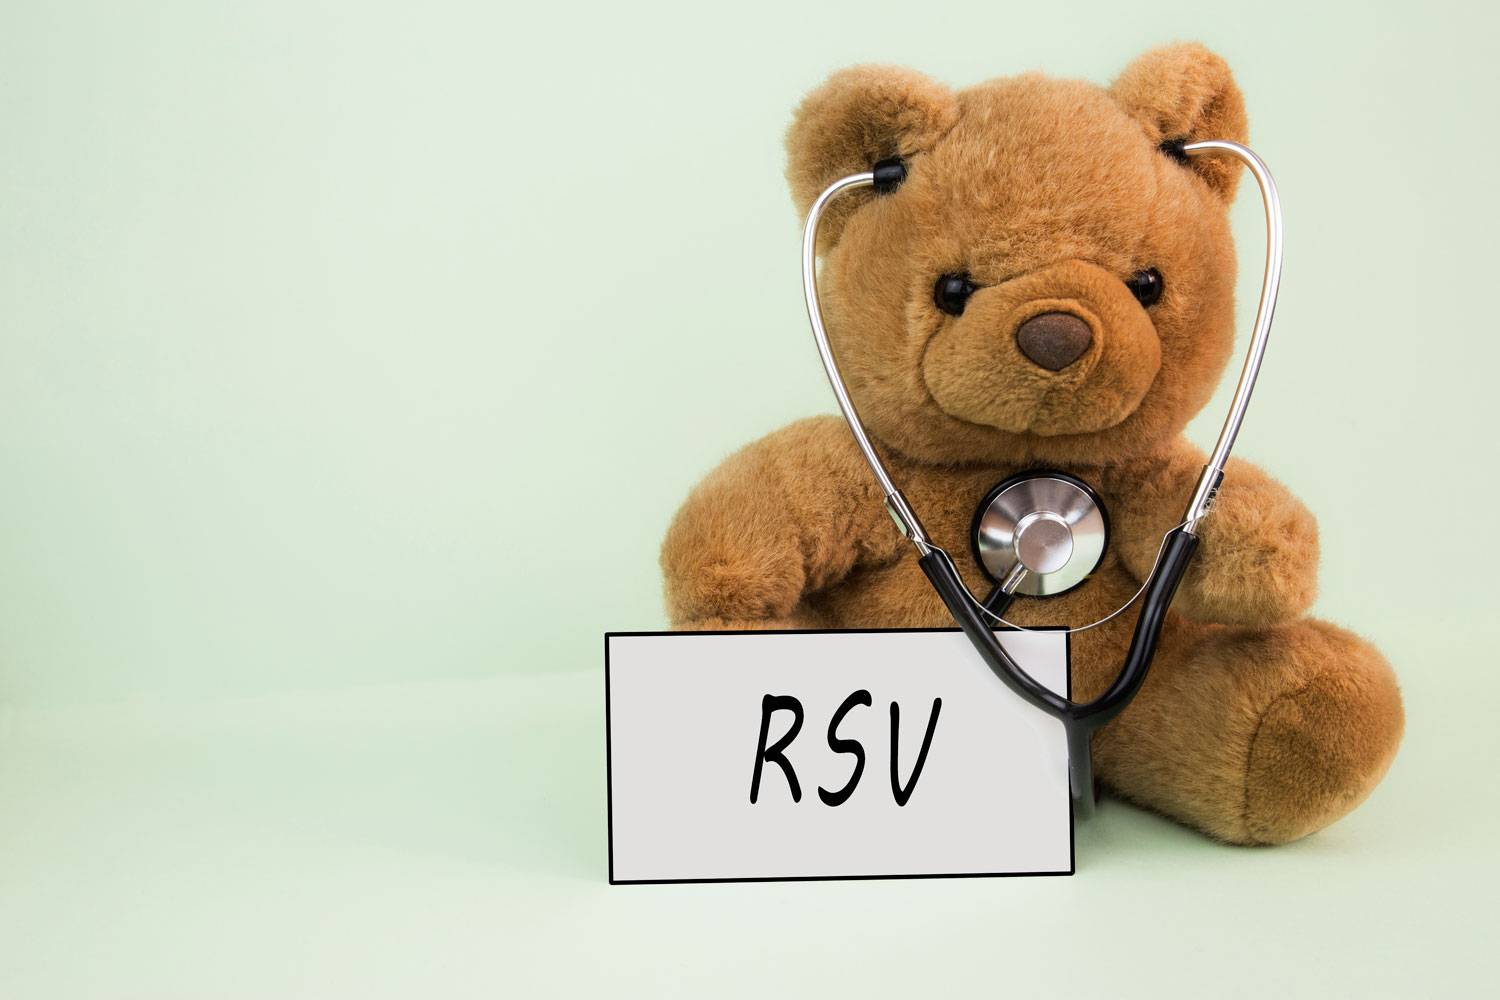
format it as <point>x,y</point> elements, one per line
<point>1051,286</point>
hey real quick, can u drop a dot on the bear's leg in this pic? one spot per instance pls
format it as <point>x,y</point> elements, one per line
<point>1256,736</point>
<point>801,619</point>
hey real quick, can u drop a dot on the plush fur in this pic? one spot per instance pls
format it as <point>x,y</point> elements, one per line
<point>1257,725</point>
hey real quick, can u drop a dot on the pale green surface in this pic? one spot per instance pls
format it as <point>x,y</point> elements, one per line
<point>447,840</point>
<point>354,356</point>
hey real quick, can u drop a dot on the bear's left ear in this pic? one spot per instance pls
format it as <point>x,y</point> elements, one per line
<point>857,118</point>
<point>1184,92</point>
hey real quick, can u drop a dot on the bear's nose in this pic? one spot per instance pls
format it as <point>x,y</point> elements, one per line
<point>1054,340</point>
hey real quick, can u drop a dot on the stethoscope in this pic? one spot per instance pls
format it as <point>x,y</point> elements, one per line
<point>1043,532</point>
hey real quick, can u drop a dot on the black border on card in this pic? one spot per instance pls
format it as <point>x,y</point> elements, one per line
<point>609,765</point>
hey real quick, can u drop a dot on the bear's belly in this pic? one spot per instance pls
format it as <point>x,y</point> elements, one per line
<point>899,596</point>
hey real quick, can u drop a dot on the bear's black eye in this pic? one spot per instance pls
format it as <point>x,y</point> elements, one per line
<point>1146,286</point>
<point>951,293</point>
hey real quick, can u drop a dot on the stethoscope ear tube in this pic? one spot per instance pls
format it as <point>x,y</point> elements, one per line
<point>1079,719</point>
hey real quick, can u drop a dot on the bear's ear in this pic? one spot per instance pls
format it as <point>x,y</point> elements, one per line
<point>859,117</point>
<point>1184,92</point>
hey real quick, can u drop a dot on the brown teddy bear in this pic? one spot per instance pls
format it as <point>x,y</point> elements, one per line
<point>1051,287</point>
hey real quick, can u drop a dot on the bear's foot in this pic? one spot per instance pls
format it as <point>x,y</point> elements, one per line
<point>1258,736</point>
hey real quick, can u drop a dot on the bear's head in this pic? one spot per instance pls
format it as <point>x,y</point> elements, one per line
<point>1052,280</point>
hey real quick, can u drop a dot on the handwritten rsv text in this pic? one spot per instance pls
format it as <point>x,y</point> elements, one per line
<point>775,753</point>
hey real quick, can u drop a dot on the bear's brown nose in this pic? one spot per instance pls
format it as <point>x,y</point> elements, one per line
<point>1054,340</point>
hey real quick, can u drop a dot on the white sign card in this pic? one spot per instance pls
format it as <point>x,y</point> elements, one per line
<point>892,753</point>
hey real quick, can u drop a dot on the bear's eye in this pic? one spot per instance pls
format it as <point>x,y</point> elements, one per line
<point>952,292</point>
<point>1146,286</point>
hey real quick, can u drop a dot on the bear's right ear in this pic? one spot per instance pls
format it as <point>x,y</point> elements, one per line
<point>1184,93</point>
<point>859,117</point>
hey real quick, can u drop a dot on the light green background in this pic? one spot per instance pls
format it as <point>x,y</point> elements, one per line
<point>354,356</point>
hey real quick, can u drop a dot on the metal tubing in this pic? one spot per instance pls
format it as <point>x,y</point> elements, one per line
<point>901,511</point>
<point>1265,311</point>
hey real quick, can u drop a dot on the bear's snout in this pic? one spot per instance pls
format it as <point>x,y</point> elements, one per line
<point>1054,340</point>
<point>1063,349</point>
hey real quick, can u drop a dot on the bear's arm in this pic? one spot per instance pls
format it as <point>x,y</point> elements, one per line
<point>1257,562</point>
<point>784,517</point>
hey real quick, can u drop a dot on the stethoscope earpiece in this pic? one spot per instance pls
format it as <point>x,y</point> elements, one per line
<point>887,175</point>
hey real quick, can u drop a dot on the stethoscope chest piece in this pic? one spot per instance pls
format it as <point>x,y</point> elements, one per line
<point>1050,523</point>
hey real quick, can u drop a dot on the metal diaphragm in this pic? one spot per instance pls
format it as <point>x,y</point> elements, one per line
<point>1050,522</point>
